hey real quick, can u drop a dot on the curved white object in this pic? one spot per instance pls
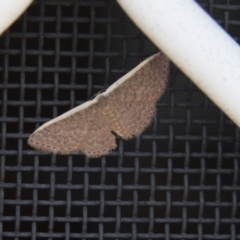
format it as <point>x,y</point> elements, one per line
<point>10,10</point>
<point>196,44</point>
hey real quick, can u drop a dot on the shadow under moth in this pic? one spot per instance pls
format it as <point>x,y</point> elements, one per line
<point>126,108</point>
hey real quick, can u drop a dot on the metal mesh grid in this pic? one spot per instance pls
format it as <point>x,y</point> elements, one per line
<point>178,180</point>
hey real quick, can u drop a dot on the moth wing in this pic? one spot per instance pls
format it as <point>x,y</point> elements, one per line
<point>83,128</point>
<point>127,107</point>
<point>134,118</point>
<point>134,99</point>
<point>99,139</point>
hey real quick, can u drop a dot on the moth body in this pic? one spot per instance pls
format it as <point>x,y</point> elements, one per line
<point>127,107</point>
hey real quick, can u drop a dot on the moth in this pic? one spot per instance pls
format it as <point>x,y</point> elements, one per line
<point>126,108</point>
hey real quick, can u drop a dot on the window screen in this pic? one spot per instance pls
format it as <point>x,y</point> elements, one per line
<point>177,180</point>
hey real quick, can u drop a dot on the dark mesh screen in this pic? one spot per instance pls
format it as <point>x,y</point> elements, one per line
<point>178,180</point>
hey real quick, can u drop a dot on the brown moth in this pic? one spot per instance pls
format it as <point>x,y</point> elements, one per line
<point>126,108</point>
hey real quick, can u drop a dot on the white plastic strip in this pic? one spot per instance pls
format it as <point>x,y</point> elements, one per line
<point>196,44</point>
<point>10,10</point>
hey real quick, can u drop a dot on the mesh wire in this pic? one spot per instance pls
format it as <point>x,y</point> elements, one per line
<point>178,180</point>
